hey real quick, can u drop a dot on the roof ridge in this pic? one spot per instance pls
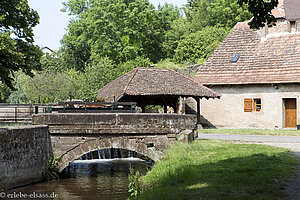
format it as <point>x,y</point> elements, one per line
<point>126,86</point>
<point>106,85</point>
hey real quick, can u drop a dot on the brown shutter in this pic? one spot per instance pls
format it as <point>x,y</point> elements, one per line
<point>247,105</point>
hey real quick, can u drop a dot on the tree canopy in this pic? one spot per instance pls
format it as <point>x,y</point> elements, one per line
<point>17,51</point>
<point>219,13</point>
<point>106,39</point>
<point>120,30</point>
<point>230,12</point>
<point>261,12</point>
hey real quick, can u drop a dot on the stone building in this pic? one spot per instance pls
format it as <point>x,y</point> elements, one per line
<point>257,72</point>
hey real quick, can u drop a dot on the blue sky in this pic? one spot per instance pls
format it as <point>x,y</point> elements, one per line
<point>53,22</point>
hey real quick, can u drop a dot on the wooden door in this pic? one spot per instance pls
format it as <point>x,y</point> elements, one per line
<point>290,113</point>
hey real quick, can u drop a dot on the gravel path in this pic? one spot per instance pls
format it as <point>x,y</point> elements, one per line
<point>290,142</point>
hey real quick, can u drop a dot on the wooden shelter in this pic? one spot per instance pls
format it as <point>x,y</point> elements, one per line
<point>154,86</point>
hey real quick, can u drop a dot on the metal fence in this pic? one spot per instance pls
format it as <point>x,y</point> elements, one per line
<point>20,112</point>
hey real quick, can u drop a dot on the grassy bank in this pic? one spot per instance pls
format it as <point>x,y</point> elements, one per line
<point>251,132</point>
<point>219,170</point>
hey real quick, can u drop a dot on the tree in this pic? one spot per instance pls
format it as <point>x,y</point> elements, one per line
<point>197,47</point>
<point>46,86</point>
<point>19,95</point>
<point>4,93</point>
<point>97,75</point>
<point>51,62</point>
<point>261,12</point>
<point>219,13</point>
<point>233,11</point>
<point>179,29</point>
<point>119,30</point>
<point>16,39</point>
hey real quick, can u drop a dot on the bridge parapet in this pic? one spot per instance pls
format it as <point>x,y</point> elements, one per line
<point>116,123</point>
<point>75,134</point>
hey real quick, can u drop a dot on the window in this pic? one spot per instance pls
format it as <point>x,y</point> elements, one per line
<point>235,58</point>
<point>252,105</point>
<point>257,105</point>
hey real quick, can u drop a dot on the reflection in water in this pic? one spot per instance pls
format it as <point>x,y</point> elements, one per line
<point>105,179</point>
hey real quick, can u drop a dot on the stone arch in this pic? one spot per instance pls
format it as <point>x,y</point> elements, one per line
<point>133,144</point>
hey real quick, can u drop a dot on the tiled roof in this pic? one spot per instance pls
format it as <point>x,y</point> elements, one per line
<point>275,60</point>
<point>154,81</point>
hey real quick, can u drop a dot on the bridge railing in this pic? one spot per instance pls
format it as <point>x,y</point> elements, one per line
<point>21,112</point>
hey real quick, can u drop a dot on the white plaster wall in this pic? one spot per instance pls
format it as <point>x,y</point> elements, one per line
<point>229,110</point>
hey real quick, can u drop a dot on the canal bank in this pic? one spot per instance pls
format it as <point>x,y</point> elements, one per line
<point>24,155</point>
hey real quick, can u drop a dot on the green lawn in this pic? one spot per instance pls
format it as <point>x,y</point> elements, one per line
<point>251,132</point>
<point>208,169</point>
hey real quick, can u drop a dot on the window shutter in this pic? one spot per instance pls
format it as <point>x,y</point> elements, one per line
<point>247,105</point>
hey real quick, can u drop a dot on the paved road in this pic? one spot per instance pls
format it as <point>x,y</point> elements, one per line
<point>251,138</point>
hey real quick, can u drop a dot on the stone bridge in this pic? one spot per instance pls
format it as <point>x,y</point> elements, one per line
<point>73,135</point>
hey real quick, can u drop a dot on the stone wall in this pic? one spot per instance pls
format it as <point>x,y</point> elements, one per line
<point>282,27</point>
<point>73,135</point>
<point>229,112</point>
<point>24,154</point>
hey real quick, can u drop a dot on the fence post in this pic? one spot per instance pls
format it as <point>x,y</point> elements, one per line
<point>112,107</point>
<point>36,109</point>
<point>64,110</point>
<point>49,109</point>
<point>16,113</point>
<point>85,107</point>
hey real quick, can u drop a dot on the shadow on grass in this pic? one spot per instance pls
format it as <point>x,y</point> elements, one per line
<point>254,177</point>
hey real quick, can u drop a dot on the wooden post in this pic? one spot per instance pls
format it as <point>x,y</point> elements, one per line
<point>198,110</point>
<point>143,105</point>
<point>165,103</point>
<point>143,108</point>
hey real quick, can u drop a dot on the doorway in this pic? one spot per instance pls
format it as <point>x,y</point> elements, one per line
<point>290,112</point>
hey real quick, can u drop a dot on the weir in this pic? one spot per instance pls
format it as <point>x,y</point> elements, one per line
<point>109,154</point>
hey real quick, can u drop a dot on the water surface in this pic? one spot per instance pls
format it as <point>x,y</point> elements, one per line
<point>104,179</point>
